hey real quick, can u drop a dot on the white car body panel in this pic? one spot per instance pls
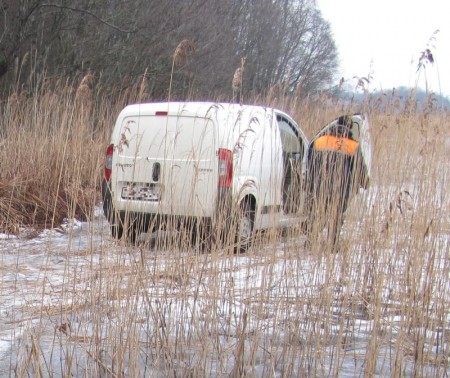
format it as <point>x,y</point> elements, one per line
<point>184,139</point>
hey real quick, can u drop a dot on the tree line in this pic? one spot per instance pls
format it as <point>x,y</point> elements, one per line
<point>122,41</point>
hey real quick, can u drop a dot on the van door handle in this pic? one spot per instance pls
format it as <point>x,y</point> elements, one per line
<point>156,170</point>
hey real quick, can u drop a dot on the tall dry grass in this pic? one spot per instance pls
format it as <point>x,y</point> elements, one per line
<point>377,307</point>
<point>52,150</point>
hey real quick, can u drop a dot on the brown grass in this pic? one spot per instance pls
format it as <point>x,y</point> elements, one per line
<point>378,307</point>
<point>52,146</point>
<point>180,55</point>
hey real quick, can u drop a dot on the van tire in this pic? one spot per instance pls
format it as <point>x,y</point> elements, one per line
<point>244,224</point>
<point>117,231</point>
<point>120,232</point>
<point>201,236</point>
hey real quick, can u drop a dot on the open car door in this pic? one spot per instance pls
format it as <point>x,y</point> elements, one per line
<point>338,165</point>
<point>345,135</point>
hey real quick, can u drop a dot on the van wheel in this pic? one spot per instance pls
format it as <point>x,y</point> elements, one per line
<point>118,230</point>
<point>116,223</point>
<point>244,226</point>
<point>201,237</point>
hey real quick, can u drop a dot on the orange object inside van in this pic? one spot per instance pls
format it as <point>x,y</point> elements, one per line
<point>333,143</point>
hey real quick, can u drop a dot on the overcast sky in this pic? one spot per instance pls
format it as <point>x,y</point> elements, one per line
<point>386,37</point>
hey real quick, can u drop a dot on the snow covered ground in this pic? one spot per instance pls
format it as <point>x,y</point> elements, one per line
<point>74,302</point>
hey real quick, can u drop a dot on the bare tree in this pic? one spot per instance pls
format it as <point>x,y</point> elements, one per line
<point>287,41</point>
<point>118,40</point>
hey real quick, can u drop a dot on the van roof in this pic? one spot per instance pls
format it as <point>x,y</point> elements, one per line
<point>197,109</point>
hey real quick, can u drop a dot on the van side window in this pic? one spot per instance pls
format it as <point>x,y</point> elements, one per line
<point>289,136</point>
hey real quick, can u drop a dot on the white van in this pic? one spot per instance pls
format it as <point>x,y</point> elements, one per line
<point>216,169</point>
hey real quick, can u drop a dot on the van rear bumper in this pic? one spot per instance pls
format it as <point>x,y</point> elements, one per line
<point>147,222</point>
<point>154,220</point>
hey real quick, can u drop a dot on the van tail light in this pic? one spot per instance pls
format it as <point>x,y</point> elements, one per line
<point>225,168</point>
<point>108,161</point>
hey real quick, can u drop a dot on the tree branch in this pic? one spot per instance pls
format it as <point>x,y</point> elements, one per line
<point>89,13</point>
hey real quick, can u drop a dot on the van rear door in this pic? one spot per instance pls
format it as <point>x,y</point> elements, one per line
<point>166,163</point>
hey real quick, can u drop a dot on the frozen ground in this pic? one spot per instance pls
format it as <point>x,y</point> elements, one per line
<point>74,302</point>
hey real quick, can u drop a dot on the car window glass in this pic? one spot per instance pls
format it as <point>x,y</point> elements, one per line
<point>289,136</point>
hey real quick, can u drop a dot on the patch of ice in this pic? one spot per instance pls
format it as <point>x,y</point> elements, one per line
<point>70,225</point>
<point>7,236</point>
<point>98,212</point>
<point>47,233</point>
<point>5,344</point>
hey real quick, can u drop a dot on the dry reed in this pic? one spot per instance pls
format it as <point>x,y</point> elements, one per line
<point>167,307</point>
<point>181,54</point>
